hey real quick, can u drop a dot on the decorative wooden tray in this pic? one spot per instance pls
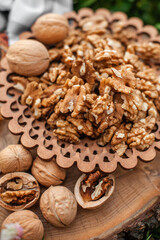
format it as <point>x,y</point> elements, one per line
<point>87,154</point>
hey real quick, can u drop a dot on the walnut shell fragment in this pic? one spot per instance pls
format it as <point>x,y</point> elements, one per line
<point>32,226</point>
<point>50,28</point>
<point>48,173</point>
<point>15,158</point>
<point>28,57</point>
<point>92,190</point>
<point>58,206</point>
<point>18,191</point>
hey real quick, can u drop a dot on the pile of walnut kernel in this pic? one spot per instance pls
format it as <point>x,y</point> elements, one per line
<point>97,86</point>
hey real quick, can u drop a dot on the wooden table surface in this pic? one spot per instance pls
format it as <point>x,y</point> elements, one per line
<point>136,191</point>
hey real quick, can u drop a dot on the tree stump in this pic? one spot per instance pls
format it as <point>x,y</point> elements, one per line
<point>134,201</point>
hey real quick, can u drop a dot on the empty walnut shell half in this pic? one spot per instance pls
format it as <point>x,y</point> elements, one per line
<point>32,226</point>
<point>28,57</point>
<point>58,206</point>
<point>48,173</point>
<point>18,191</point>
<point>92,190</point>
<point>50,28</point>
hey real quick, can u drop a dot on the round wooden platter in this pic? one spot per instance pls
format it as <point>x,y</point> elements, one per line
<point>136,192</point>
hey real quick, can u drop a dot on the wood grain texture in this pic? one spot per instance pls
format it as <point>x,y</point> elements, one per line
<point>136,191</point>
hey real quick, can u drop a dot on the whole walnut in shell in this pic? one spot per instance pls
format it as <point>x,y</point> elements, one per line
<point>29,221</point>
<point>28,57</point>
<point>92,190</point>
<point>50,28</point>
<point>48,173</point>
<point>15,158</point>
<point>58,206</point>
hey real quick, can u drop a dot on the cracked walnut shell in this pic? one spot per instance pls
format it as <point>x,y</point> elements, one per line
<point>92,190</point>
<point>18,191</point>
<point>28,57</point>
<point>48,173</point>
<point>32,226</point>
<point>50,28</point>
<point>15,158</point>
<point>58,206</point>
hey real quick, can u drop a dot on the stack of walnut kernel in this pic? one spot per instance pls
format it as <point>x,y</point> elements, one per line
<point>97,86</point>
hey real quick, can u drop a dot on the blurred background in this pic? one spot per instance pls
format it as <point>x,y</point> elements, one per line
<point>147,10</point>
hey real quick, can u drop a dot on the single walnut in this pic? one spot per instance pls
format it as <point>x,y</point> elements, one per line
<point>20,82</point>
<point>140,135</point>
<point>83,126</point>
<point>107,56</point>
<point>51,95</point>
<point>32,226</point>
<point>32,97</point>
<point>147,87</point>
<point>66,131</point>
<point>18,191</point>
<point>93,22</point>
<point>148,74</point>
<point>135,105</point>
<point>119,139</point>
<point>157,103</point>
<point>15,158</point>
<point>147,51</point>
<point>58,206</point>
<point>28,57</point>
<point>50,28</point>
<point>74,37</point>
<point>54,54</point>
<point>48,173</point>
<point>69,102</point>
<point>92,190</point>
<point>106,136</point>
<point>71,82</point>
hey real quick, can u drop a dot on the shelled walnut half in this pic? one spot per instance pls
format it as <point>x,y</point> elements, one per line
<point>18,191</point>
<point>92,190</point>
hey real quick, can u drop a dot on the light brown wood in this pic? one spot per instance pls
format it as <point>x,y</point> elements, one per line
<point>86,157</point>
<point>136,191</point>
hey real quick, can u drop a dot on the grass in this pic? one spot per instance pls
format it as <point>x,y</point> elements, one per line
<point>153,233</point>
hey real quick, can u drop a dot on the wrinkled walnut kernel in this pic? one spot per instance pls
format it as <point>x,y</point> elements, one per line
<point>94,186</point>
<point>18,191</point>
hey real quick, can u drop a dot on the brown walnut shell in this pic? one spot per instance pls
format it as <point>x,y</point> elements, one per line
<point>58,206</point>
<point>28,57</point>
<point>92,204</point>
<point>15,158</point>
<point>18,191</point>
<point>48,173</point>
<point>50,28</point>
<point>29,221</point>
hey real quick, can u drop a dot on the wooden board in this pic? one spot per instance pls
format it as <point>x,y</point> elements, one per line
<point>136,191</point>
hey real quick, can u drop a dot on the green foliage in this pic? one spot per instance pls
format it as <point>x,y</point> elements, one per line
<point>147,10</point>
<point>153,234</point>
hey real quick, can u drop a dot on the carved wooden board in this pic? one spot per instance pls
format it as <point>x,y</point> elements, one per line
<point>136,191</point>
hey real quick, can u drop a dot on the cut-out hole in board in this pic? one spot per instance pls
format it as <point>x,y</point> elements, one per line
<point>78,150</point>
<point>67,155</point>
<point>105,159</point>
<point>21,121</point>
<point>27,113</point>
<point>14,107</point>
<point>86,159</point>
